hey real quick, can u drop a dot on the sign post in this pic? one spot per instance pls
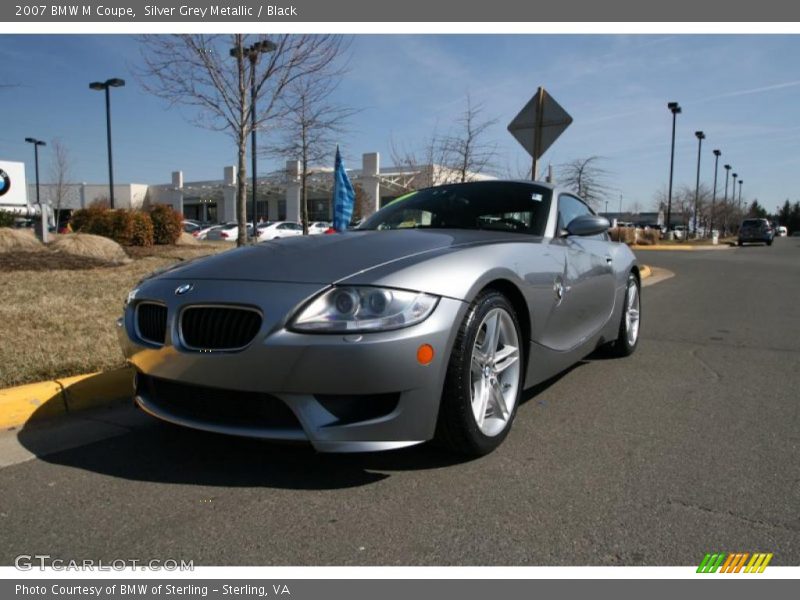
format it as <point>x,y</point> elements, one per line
<point>538,125</point>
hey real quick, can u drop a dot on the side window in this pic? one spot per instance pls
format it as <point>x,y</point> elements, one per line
<point>570,207</point>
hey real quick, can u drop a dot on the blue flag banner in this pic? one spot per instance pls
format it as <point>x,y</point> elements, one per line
<point>344,196</point>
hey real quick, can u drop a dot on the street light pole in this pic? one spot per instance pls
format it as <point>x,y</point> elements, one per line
<point>675,108</point>
<point>740,194</point>
<point>106,86</point>
<point>717,154</point>
<point>252,53</point>
<point>43,216</point>
<point>727,173</point>
<point>733,189</point>
<point>700,137</point>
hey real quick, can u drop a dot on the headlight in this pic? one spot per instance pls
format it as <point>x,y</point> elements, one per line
<point>351,309</point>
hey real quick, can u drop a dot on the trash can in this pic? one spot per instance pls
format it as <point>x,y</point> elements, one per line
<point>715,237</point>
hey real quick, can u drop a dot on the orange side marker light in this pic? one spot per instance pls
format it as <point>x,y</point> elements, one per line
<point>425,354</point>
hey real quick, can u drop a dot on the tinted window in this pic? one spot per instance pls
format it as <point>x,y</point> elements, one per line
<point>570,207</point>
<point>493,205</point>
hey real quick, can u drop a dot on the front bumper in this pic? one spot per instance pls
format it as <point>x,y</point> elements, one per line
<point>755,238</point>
<point>311,374</point>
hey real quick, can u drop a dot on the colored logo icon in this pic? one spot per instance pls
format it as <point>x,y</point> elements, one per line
<point>5,183</point>
<point>734,562</point>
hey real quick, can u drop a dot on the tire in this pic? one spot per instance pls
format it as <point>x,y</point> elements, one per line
<point>740,243</point>
<point>769,243</point>
<point>482,378</point>
<point>628,335</point>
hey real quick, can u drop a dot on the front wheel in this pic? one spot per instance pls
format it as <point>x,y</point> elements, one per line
<point>628,336</point>
<point>484,378</point>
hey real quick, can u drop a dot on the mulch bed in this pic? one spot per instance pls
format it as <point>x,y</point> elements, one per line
<point>48,261</point>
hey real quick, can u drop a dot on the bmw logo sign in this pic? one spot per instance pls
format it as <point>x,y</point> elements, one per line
<point>182,289</point>
<point>5,183</point>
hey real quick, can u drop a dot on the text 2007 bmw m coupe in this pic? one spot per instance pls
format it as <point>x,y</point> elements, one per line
<point>427,321</point>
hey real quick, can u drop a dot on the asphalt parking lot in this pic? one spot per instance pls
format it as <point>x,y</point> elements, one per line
<point>689,446</point>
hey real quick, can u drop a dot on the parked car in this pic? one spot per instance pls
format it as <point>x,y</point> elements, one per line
<point>781,231</point>
<point>427,321</point>
<point>318,227</point>
<point>756,231</point>
<point>191,226</point>
<point>228,232</point>
<point>679,231</point>
<point>279,229</point>
<point>202,232</point>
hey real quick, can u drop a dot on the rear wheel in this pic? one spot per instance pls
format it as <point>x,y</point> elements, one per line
<point>628,336</point>
<point>484,378</point>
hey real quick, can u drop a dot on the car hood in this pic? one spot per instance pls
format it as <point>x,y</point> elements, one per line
<point>326,259</point>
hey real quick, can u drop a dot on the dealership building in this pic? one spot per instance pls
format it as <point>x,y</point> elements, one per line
<point>278,194</point>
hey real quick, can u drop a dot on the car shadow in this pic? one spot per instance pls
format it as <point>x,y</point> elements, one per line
<point>530,393</point>
<point>153,451</point>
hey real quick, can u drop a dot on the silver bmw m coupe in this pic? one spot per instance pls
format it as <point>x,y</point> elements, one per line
<point>426,322</point>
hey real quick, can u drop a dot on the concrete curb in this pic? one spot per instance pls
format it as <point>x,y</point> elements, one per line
<point>47,399</point>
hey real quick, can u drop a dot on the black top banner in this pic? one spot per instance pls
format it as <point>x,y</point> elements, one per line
<point>464,11</point>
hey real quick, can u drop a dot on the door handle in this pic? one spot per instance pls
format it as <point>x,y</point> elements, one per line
<point>609,259</point>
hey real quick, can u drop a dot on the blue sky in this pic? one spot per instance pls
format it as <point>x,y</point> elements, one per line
<point>743,91</point>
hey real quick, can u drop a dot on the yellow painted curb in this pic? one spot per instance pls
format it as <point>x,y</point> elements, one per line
<point>681,248</point>
<point>97,389</point>
<point>47,399</point>
<point>18,404</point>
<point>645,272</point>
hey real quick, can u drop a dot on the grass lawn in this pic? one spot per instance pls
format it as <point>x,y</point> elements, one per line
<point>58,314</point>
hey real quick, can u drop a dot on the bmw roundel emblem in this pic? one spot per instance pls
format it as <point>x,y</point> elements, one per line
<point>182,289</point>
<point>5,183</point>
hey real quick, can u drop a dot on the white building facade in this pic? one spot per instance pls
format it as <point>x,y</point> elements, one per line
<point>279,195</point>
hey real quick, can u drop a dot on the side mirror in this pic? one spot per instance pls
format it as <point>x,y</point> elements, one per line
<point>588,225</point>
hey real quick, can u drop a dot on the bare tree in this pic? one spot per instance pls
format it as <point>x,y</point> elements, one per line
<point>587,179</point>
<point>362,203</point>
<point>213,74</point>
<point>310,125</point>
<point>456,156</point>
<point>60,174</point>
<point>524,172</point>
<point>426,164</point>
<point>467,153</point>
<point>422,166</point>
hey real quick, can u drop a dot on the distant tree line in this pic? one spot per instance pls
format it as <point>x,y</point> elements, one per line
<point>789,216</point>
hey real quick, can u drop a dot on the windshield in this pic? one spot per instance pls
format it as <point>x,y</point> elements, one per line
<point>753,223</point>
<point>494,205</point>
